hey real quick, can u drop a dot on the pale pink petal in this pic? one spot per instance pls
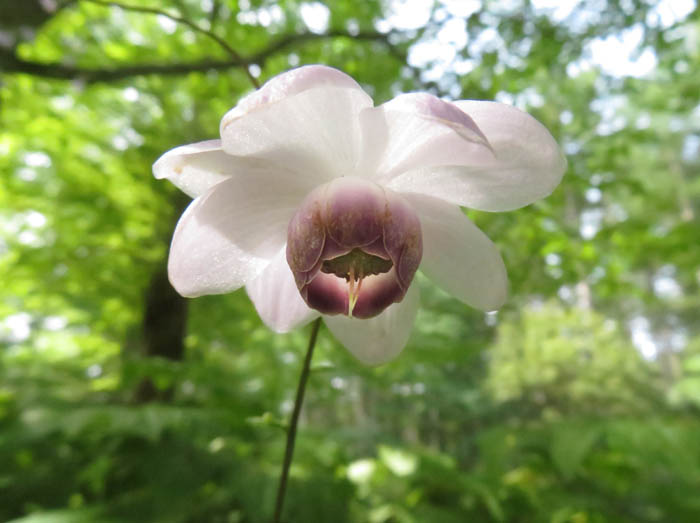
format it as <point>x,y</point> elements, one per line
<point>418,130</point>
<point>194,168</point>
<point>377,340</point>
<point>526,164</point>
<point>458,257</point>
<point>290,83</point>
<point>309,123</point>
<point>227,236</point>
<point>276,297</point>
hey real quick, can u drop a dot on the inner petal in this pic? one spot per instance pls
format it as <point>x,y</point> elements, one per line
<point>354,267</point>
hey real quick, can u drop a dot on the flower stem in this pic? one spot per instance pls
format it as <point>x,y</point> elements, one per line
<point>292,430</point>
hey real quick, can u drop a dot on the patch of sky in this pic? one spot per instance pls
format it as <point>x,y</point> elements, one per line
<point>642,338</point>
<point>691,148</point>
<point>617,55</point>
<point>552,259</point>
<point>643,121</point>
<point>94,371</point>
<point>566,117</point>
<point>609,108</point>
<point>265,16</point>
<point>316,16</point>
<point>62,103</point>
<point>591,221</point>
<point>55,323</point>
<point>130,94</point>
<point>135,38</point>
<point>665,284</point>
<point>352,26</point>
<point>566,294</point>
<point>571,146</point>
<point>593,195</point>
<point>461,8</point>
<point>16,327</point>
<point>408,14</point>
<point>669,12</point>
<point>491,318</point>
<point>338,383</point>
<point>254,70</point>
<point>37,159</point>
<point>166,24</point>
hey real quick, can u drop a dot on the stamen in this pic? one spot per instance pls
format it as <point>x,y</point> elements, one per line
<point>352,292</point>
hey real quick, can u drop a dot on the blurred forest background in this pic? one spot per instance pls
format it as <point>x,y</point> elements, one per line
<point>578,402</point>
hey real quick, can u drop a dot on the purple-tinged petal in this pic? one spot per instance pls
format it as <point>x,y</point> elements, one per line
<point>377,340</point>
<point>227,236</point>
<point>306,233</point>
<point>458,256</point>
<point>354,211</point>
<point>327,294</point>
<point>276,297</point>
<point>194,168</point>
<point>418,130</point>
<point>378,292</point>
<point>402,237</point>
<point>526,165</point>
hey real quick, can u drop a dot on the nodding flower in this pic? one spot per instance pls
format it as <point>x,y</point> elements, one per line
<point>319,202</point>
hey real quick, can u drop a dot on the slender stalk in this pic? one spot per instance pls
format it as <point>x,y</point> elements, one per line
<point>292,429</point>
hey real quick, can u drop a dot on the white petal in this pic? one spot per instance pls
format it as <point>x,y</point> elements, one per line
<point>288,84</point>
<point>457,256</point>
<point>276,297</point>
<point>315,131</point>
<point>227,236</point>
<point>418,130</point>
<point>379,339</point>
<point>194,168</point>
<point>526,165</point>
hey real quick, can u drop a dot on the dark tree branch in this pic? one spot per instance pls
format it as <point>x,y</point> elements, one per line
<point>184,21</point>
<point>9,63</point>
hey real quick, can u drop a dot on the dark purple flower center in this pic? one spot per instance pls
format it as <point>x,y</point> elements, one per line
<point>353,248</point>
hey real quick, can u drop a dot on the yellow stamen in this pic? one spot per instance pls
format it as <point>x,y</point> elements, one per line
<point>353,293</point>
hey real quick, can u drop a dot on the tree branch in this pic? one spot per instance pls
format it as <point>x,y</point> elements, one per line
<point>189,23</point>
<point>9,63</point>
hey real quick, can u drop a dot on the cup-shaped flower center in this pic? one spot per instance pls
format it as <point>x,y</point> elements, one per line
<point>353,247</point>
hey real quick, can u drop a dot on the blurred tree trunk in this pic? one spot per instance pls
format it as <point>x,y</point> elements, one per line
<point>164,319</point>
<point>20,19</point>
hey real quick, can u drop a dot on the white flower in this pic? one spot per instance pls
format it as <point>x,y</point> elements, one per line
<point>290,141</point>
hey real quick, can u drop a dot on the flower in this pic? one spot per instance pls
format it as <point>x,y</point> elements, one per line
<point>312,190</point>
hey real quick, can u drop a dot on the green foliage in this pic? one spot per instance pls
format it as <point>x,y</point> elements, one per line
<point>546,411</point>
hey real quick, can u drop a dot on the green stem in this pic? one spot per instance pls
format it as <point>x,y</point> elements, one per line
<point>292,430</point>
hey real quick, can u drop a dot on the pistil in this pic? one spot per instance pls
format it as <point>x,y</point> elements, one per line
<point>353,291</point>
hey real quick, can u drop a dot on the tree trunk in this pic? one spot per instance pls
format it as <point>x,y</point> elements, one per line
<point>164,321</point>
